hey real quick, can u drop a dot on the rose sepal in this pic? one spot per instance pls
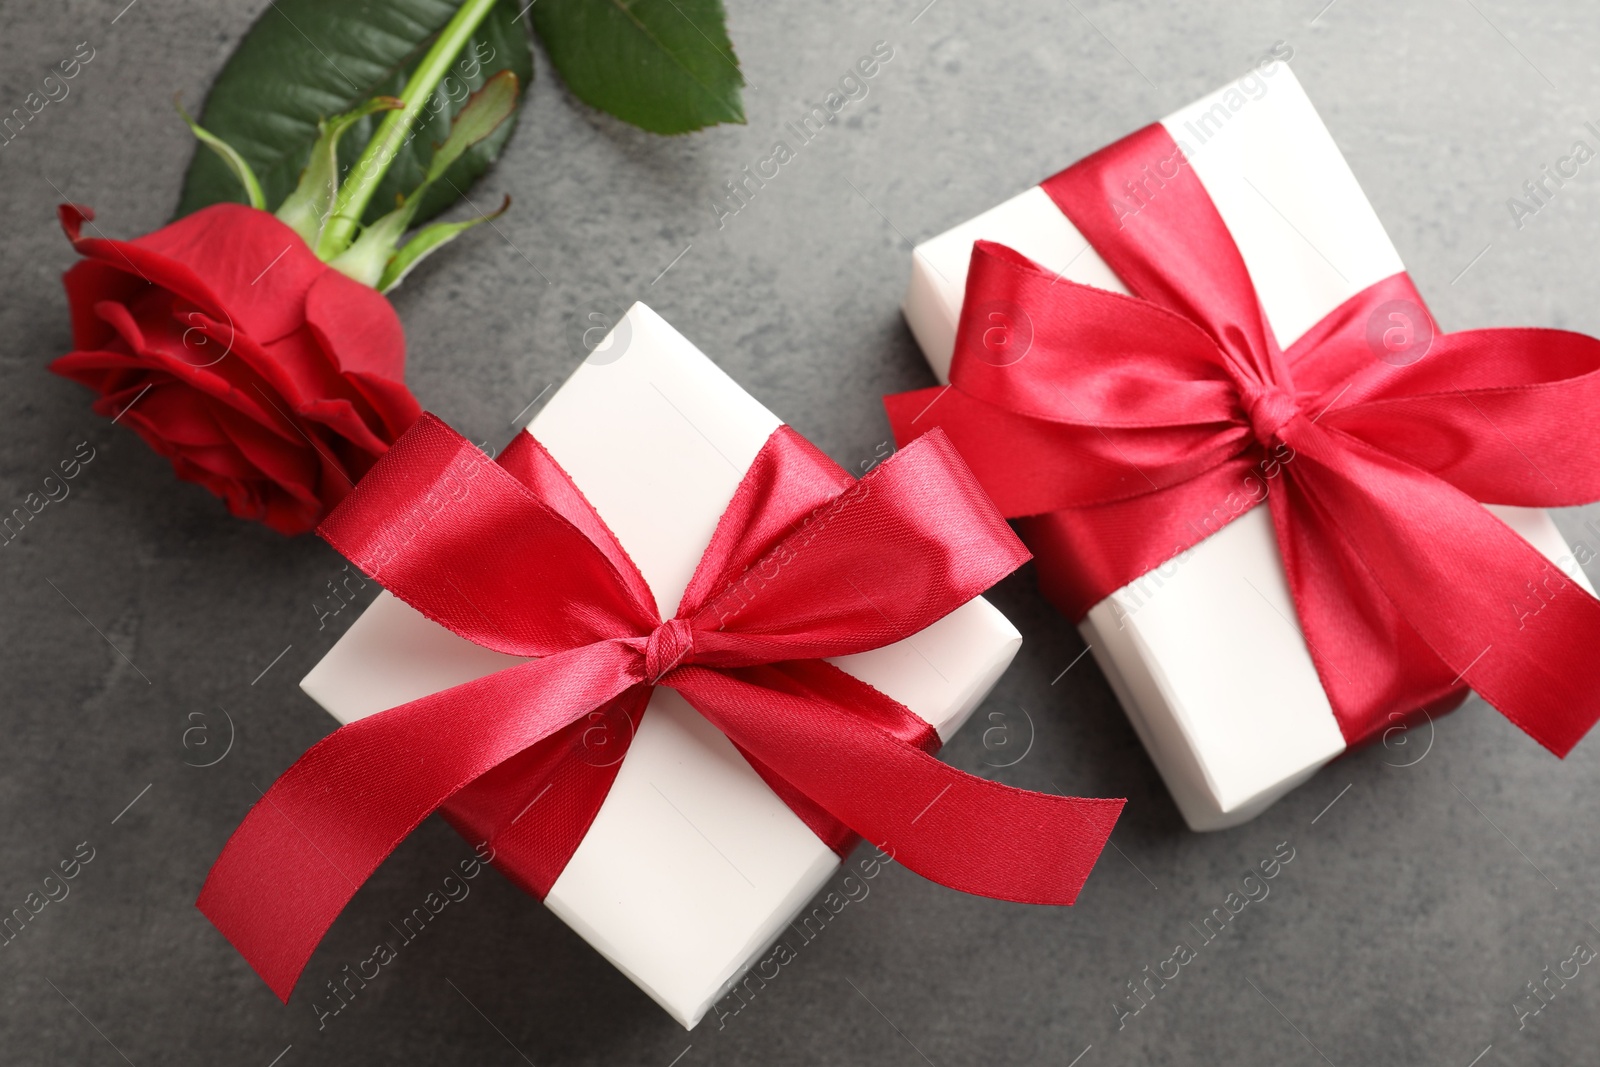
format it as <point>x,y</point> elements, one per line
<point>307,209</point>
<point>368,259</point>
<point>229,155</point>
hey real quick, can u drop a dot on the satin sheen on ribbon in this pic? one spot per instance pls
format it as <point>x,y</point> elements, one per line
<point>806,563</point>
<point>1130,429</point>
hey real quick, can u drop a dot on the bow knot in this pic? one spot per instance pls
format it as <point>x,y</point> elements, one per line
<point>668,645</point>
<point>1269,409</point>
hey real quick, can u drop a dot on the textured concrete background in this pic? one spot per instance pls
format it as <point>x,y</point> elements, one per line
<point>1416,906</point>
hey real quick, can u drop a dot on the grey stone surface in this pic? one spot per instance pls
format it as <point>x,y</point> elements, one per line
<point>1416,906</point>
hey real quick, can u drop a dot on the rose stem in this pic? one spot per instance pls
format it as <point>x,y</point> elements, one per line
<point>368,172</point>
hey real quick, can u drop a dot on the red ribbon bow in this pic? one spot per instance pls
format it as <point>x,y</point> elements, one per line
<point>1131,429</point>
<point>806,563</point>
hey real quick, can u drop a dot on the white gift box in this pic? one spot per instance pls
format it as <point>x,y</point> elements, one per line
<point>693,866</point>
<point>1217,679</point>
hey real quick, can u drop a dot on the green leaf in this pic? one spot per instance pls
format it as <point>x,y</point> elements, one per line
<point>664,65</point>
<point>428,240</point>
<point>232,159</point>
<point>306,60</point>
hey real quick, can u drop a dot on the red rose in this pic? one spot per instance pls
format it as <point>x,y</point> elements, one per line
<point>262,373</point>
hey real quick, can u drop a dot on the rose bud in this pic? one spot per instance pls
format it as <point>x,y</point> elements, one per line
<point>255,350</point>
<point>258,370</point>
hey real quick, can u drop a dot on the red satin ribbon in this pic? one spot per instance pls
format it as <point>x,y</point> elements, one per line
<point>806,563</point>
<point>1134,428</point>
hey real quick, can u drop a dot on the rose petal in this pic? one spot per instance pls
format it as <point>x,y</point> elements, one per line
<point>359,326</point>
<point>88,282</point>
<point>239,264</point>
<point>158,344</point>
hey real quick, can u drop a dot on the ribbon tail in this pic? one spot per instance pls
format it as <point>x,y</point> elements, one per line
<point>327,823</point>
<point>892,718</point>
<point>1504,618</point>
<point>951,827</point>
<point>535,809</point>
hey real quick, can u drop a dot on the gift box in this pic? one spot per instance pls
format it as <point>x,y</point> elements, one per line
<point>1206,651</point>
<point>693,865</point>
